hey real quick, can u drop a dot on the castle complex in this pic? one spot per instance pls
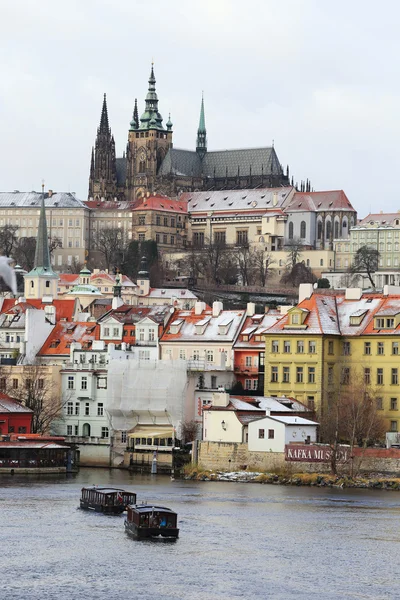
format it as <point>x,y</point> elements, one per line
<point>152,164</point>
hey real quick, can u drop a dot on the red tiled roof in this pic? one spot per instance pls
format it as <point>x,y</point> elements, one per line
<point>64,308</point>
<point>64,333</point>
<point>161,203</point>
<point>331,200</point>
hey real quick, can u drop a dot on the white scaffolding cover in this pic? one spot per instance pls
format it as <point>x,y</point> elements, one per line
<point>146,392</point>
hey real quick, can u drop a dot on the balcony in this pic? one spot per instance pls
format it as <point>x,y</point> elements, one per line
<point>152,343</point>
<point>91,439</point>
<point>246,369</point>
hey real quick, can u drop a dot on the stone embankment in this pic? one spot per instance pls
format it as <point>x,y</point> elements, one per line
<point>299,479</point>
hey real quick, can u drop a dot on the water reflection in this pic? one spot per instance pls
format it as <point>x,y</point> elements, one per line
<point>236,541</point>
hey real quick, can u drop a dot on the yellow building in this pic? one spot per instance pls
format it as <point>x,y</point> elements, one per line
<point>332,341</point>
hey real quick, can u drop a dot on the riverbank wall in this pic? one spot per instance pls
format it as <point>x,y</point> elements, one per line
<point>232,456</point>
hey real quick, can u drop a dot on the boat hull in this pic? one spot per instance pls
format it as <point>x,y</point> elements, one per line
<point>142,533</point>
<point>107,510</point>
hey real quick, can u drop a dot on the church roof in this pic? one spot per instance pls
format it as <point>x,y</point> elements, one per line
<point>219,163</point>
<point>319,201</point>
<point>259,199</point>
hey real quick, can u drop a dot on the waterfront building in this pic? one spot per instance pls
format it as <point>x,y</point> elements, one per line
<point>14,416</point>
<point>333,340</point>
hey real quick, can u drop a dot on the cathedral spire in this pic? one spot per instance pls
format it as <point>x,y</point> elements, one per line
<point>104,126</point>
<point>42,254</point>
<point>151,118</point>
<point>201,145</point>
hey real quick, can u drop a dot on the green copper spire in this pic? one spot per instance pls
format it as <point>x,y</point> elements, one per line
<point>42,264</point>
<point>151,118</point>
<point>201,145</point>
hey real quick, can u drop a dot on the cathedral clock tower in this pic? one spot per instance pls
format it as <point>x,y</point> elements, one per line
<point>148,143</point>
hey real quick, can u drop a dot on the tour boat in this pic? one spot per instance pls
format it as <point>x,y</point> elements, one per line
<point>106,500</point>
<point>148,521</point>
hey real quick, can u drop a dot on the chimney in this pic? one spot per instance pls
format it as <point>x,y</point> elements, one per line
<point>305,291</point>
<point>251,309</point>
<point>217,307</point>
<point>220,399</point>
<point>391,290</point>
<point>353,293</point>
<point>50,193</point>
<point>199,307</point>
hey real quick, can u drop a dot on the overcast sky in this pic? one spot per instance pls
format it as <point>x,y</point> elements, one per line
<point>321,79</point>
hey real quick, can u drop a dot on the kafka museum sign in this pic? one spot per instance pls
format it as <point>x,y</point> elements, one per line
<point>309,453</point>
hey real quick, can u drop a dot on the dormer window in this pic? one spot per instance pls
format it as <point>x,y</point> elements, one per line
<point>385,322</point>
<point>245,338</point>
<point>295,319</point>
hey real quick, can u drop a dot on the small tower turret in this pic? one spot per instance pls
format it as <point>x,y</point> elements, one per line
<point>201,145</point>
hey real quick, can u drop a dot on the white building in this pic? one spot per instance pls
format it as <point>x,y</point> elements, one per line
<point>271,434</point>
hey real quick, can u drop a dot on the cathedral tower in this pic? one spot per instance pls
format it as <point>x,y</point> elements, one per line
<point>103,171</point>
<point>148,143</point>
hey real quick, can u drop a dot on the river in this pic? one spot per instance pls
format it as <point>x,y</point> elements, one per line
<point>237,540</point>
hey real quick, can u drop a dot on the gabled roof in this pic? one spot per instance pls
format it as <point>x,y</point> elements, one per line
<point>259,200</point>
<point>319,201</point>
<point>64,334</point>
<point>128,314</point>
<point>256,326</point>
<point>33,200</point>
<point>209,326</point>
<point>380,219</point>
<point>65,309</point>
<point>9,405</point>
<point>160,203</point>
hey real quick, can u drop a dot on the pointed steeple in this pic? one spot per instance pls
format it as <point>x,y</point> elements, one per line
<point>42,253</point>
<point>151,118</point>
<point>201,145</point>
<point>104,126</point>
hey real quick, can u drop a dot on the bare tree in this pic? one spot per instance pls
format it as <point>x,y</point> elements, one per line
<point>245,263</point>
<point>210,260</point>
<point>189,430</point>
<point>350,416</point>
<point>54,243</point>
<point>294,248</point>
<point>349,279</point>
<point>366,259</point>
<point>263,261</point>
<point>300,273</point>
<point>24,253</point>
<point>8,239</point>
<point>112,243</point>
<point>37,391</point>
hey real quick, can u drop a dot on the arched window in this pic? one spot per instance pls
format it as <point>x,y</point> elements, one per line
<point>32,284</point>
<point>336,229</point>
<point>319,230</point>
<point>47,284</point>
<point>290,231</point>
<point>142,166</point>
<point>328,230</point>
<point>344,224</point>
<point>303,230</point>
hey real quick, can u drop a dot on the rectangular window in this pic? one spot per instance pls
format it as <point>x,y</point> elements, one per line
<point>115,332</point>
<point>40,384</point>
<point>393,403</point>
<point>299,374</point>
<point>142,237</point>
<point>300,347</point>
<point>104,432</point>
<point>165,221</point>
<point>70,408</point>
<point>248,361</point>
<point>210,355</point>
<point>100,409</point>
<point>330,375</point>
<point>198,238</point>
<point>241,238</point>
<point>379,403</point>
<point>15,384</point>
<point>330,347</point>
<point>346,348</point>
<point>87,409</point>
<point>106,332</point>
<point>165,239</point>
<point>158,220</point>
<point>311,374</point>
<point>76,429</point>
<point>213,382</point>
<point>172,240</point>
<point>220,238</point>
<point>172,222</point>
<point>182,354</point>
<point>380,323</point>
<point>261,434</point>
<point>77,408</point>
<point>381,348</point>
<point>84,383</point>
<point>123,437</point>
<point>286,347</point>
<point>367,376</point>
<point>274,374</point>
<point>142,219</point>
<point>367,348</point>
<point>395,377</point>
<point>271,434</point>
<point>346,375</point>
<point>312,347</point>
<point>379,376</point>
<point>69,429</point>
<point>395,348</point>
<point>102,383</point>
<point>71,382</point>
<point>393,425</point>
<point>274,347</point>
<point>247,384</point>
<point>286,375</point>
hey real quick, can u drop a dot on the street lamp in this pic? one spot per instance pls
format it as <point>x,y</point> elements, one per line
<point>223,425</point>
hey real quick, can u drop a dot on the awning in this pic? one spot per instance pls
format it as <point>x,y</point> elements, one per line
<point>151,431</point>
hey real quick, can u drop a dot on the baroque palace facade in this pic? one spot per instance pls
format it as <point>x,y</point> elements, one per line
<point>152,165</point>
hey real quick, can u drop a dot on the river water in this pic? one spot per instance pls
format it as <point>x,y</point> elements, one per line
<point>236,540</point>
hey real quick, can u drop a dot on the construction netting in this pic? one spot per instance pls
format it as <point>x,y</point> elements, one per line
<point>146,392</point>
